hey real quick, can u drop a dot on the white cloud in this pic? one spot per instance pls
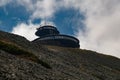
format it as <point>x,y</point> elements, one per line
<point>102,26</point>
<point>44,9</point>
<point>28,4</point>
<point>40,8</point>
<point>4,2</point>
<point>26,30</point>
<point>101,21</point>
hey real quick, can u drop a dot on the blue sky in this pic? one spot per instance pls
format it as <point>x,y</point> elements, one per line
<point>13,14</point>
<point>94,22</point>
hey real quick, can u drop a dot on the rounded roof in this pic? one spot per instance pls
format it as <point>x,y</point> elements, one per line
<point>46,30</point>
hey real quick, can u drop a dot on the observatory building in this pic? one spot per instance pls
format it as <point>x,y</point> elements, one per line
<point>49,35</point>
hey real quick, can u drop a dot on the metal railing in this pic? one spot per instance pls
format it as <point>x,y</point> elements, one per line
<point>46,27</point>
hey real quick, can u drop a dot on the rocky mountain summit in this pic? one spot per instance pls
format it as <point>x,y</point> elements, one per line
<point>21,59</point>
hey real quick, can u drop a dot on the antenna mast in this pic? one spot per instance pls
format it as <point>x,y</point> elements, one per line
<point>45,20</point>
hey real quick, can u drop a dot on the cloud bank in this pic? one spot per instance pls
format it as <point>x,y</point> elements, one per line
<point>28,30</point>
<point>25,30</point>
<point>101,21</point>
<point>40,8</point>
<point>102,26</point>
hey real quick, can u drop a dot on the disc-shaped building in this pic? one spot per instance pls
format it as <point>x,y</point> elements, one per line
<point>49,35</point>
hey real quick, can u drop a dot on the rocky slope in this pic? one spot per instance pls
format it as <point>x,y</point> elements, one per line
<point>21,59</point>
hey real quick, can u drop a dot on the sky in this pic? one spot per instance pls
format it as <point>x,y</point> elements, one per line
<point>94,22</point>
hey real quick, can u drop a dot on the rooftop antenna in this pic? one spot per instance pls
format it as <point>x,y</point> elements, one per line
<point>45,20</point>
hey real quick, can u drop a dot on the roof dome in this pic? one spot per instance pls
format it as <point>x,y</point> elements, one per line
<point>46,30</point>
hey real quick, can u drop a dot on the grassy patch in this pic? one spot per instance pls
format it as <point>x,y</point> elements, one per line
<point>21,53</point>
<point>45,64</point>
